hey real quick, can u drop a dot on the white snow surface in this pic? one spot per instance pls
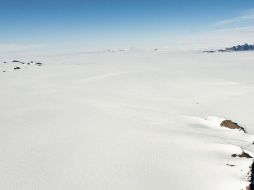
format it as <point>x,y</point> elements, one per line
<point>126,121</point>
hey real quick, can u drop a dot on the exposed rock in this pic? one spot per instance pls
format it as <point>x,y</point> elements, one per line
<point>16,68</point>
<point>230,165</point>
<point>38,63</point>
<point>244,47</point>
<point>242,155</point>
<point>251,179</point>
<point>16,61</point>
<point>232,125</point>
<point>209,51</point>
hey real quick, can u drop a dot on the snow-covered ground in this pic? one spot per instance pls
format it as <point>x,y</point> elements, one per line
<point>126,121</point>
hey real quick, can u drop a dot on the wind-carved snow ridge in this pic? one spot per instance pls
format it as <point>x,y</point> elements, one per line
<point>238,143</point>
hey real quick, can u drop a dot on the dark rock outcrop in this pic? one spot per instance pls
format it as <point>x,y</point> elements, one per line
<point>242,155</point>
<point>209,51</point>
<point>244,47</point>
<point>16,61</point>
<point>251,179</point>
<point>38,63</point>
<point>232,125</point>
<point>231,165</point>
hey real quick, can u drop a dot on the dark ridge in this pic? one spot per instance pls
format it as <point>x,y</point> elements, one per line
<point>244,47</point>
<point>16,61</point>
<point>232,125</point>
<point>242,155</point>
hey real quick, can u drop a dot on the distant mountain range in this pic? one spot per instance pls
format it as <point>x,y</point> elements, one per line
<point>245,47</point>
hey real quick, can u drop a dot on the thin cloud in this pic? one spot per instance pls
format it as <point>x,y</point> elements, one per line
<point>246,18</point>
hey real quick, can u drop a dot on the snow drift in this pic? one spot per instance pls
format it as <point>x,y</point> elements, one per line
<point>127,121</point>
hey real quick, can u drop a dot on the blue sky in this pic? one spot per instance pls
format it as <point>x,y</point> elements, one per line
<point>101,23</point>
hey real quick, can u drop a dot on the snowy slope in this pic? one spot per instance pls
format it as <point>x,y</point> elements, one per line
<point>127,121</point>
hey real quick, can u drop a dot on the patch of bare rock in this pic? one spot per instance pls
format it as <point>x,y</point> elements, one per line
<point>230,165</point>
<point>242,155</point>
<point>232,125</point>
<point>22,64</point>
<point>251,178</point>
